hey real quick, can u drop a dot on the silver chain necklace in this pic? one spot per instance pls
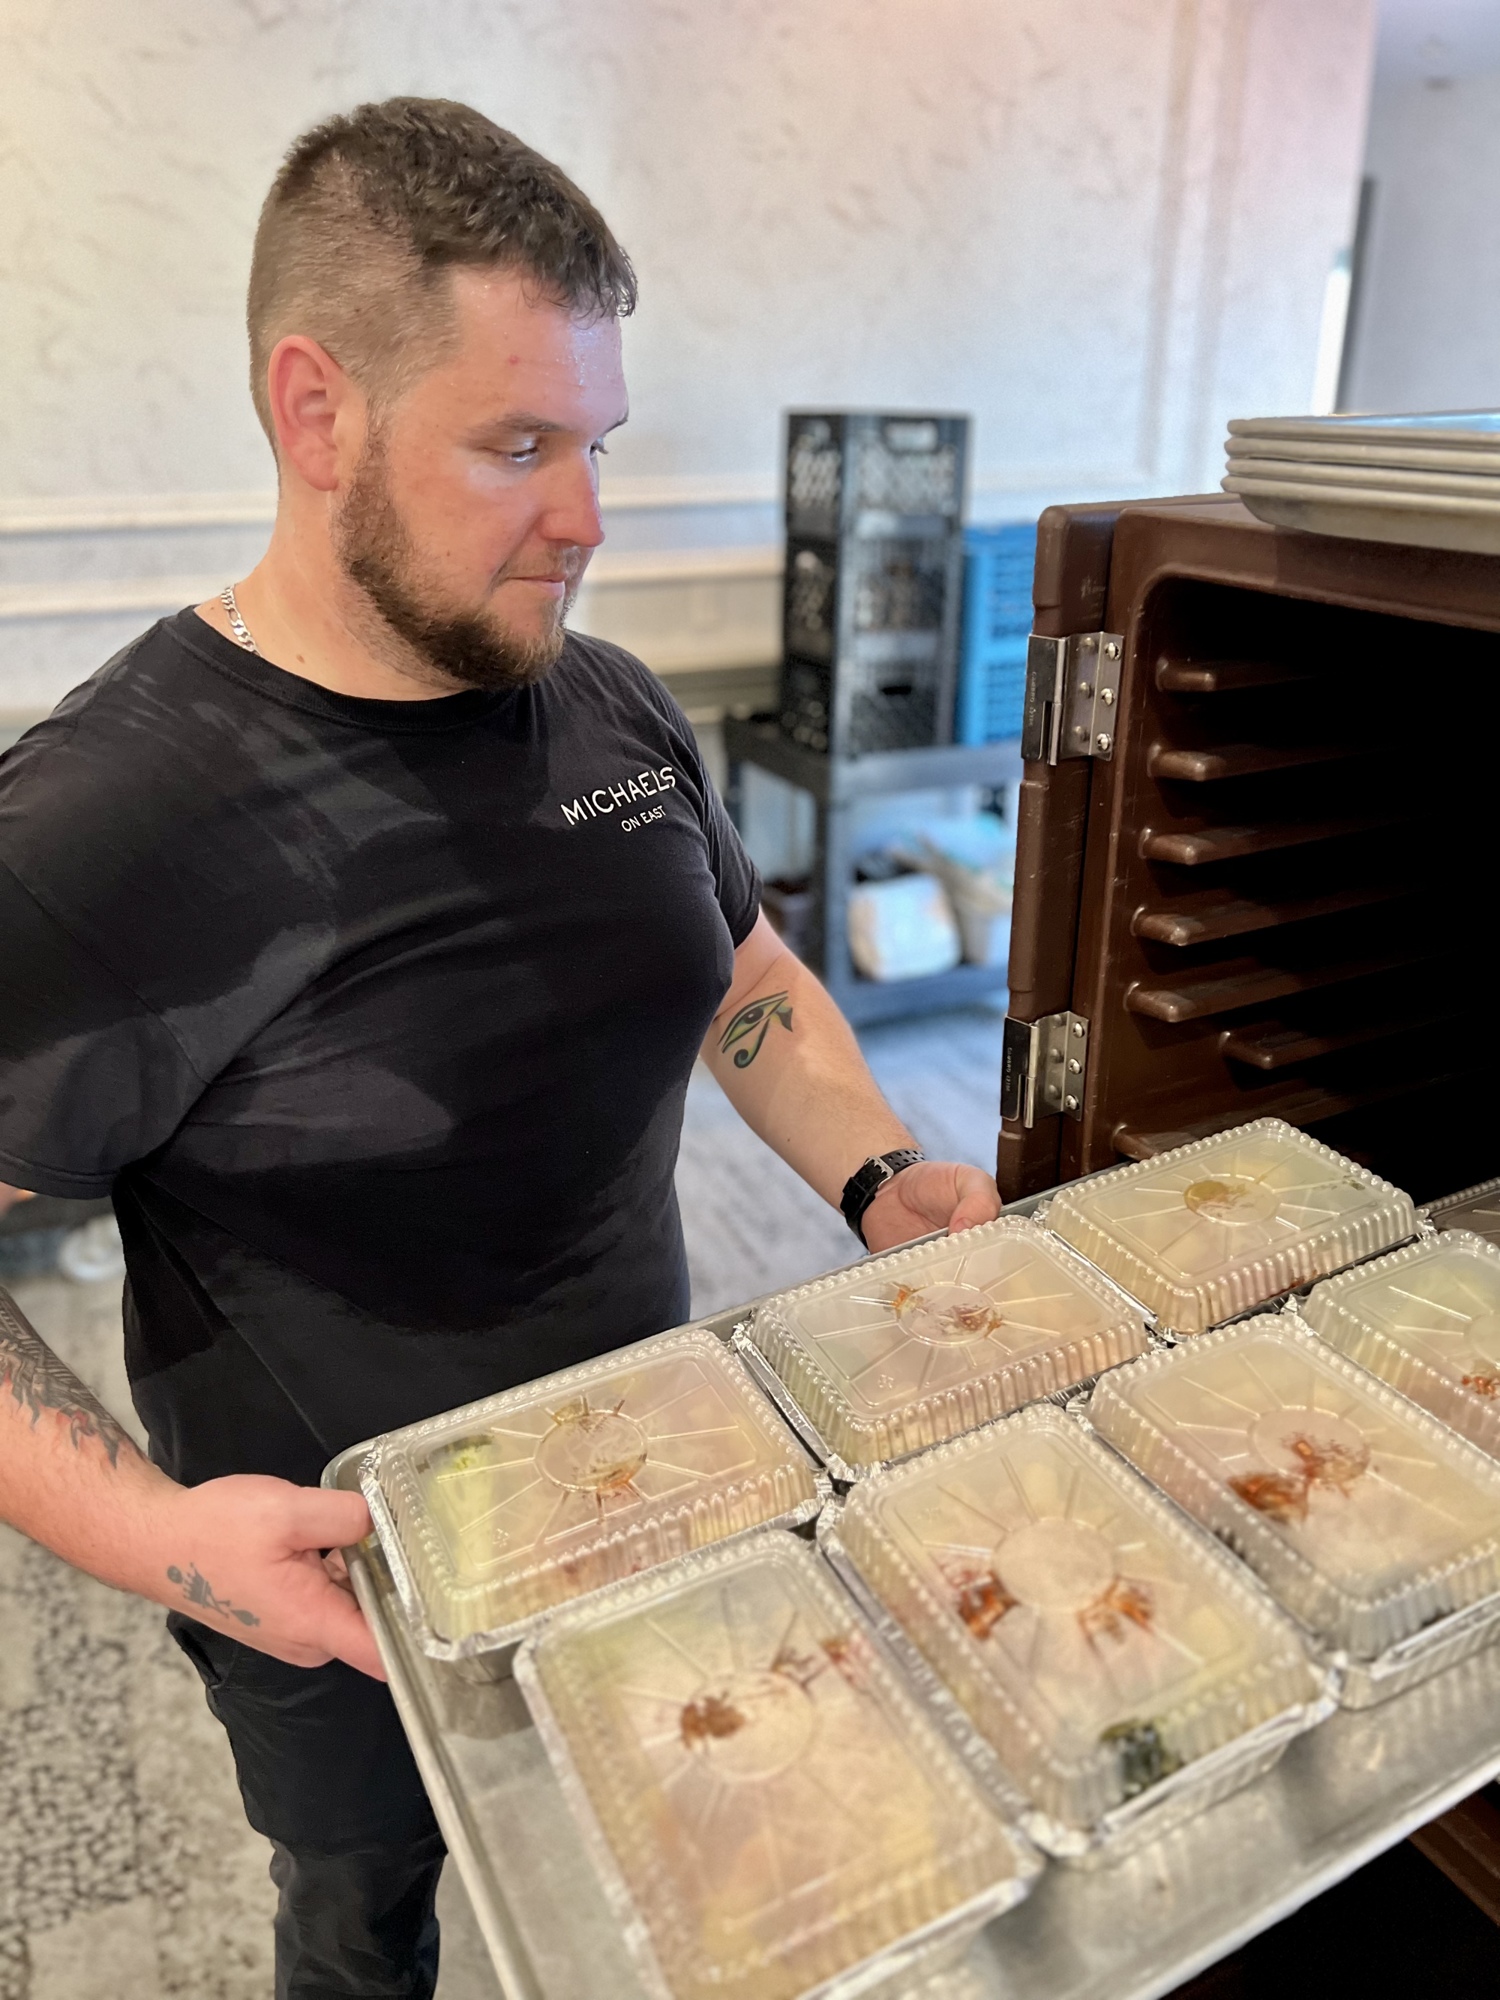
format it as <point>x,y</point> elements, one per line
<point>237,624</point>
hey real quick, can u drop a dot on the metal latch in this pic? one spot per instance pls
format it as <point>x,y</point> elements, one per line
<point>1044,1067</point>
<point>1072,691</point>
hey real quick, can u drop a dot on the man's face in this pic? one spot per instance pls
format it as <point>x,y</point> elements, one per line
<point>473,509</point>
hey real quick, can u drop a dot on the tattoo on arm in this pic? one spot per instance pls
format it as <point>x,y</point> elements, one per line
<point>197,1590</point>
<point>38,1381</point>
<point>750,1026</point>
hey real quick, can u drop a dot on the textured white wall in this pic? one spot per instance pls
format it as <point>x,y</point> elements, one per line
<point>1101,226</point>
<point>1426,337</point>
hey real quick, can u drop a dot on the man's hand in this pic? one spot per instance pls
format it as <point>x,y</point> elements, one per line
<point>244,1555</point>
<point>934,1194</point>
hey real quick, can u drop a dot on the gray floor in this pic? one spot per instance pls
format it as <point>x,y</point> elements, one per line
<point>126,1869</point>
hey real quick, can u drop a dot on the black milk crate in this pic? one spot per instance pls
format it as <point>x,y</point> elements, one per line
<point>842,464</point>
<point>871,610</point>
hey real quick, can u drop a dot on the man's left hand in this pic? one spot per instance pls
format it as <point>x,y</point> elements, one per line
<point>934,1194</point>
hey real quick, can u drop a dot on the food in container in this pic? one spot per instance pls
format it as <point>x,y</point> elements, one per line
<point>1124,1672</point>
<point>1373,1524</point>
<point>904,1350</point>
<point>494,1513</point>
<point>769,1807</point>
<point>1427,1320</point>
<point>1214,1229</point>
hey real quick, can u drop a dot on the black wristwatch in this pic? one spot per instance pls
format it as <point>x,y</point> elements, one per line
<point>862,1187</point>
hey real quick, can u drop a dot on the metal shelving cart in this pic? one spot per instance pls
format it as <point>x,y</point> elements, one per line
<point>836,785</point>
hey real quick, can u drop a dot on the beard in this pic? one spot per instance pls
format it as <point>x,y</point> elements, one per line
<point>444,642</point>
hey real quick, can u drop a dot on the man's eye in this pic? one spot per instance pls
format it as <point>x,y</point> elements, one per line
<point>599,450</point>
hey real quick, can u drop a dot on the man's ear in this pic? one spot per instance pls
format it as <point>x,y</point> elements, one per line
<point>317,409</point>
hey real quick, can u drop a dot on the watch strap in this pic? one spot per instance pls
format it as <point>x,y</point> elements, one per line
<point>866,1182</point>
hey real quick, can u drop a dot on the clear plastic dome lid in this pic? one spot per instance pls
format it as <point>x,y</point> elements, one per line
<point>1427,1320</point>
<point>1211,1230</point>
<point>1097,1643</point>
<point>903,1350</point>
<point>493,1513</point>
<point>769,1804</point>
<point>1365,1517</point>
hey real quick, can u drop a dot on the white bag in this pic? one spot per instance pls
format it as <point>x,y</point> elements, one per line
<point>975,860</point>
<point>902,929</point>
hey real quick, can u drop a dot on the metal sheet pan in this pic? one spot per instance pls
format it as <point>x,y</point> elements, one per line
<point>1341,1795</point>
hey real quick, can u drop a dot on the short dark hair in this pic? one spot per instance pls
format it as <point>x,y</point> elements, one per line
<point>371,209</point>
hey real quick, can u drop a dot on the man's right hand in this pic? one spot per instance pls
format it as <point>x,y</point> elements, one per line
<point>244,1554</point>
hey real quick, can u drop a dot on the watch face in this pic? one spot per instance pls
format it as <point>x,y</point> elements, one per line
<point>859,1191</point>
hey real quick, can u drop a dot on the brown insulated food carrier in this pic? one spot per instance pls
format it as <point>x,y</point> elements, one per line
<point>1260,890</point>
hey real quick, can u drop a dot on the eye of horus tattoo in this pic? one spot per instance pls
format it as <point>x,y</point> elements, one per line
<point>38,1381</point>
<point>750,1026</point>
<point>196,1589</point>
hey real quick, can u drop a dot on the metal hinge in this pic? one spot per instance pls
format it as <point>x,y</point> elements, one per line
<point>1044,1067</point>
<point>1072,692</point>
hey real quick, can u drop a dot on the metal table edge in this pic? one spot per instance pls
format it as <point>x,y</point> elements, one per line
<point>1319,1881</point>
<point>513,1967</point>
<point>517,1975</point>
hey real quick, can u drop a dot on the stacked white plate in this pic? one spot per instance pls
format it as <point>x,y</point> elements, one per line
<point>1432,481</point>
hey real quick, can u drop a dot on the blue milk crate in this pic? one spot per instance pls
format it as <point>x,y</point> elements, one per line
<point>998,565</point>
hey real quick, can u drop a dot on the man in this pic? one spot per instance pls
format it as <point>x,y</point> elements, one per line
<point>358,932</point>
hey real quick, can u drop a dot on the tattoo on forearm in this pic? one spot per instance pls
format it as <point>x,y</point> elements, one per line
<point>749,1028</point>
<point>196,1589</point>
<point>38,1381</point>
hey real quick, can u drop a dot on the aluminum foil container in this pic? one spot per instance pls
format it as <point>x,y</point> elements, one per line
<point>1370,1522</point>
<point>1476,1209</point>
<point>772,1813</point>
<point>1427,1320</point>
<point>1210,1231</point>
<point>902,1351</point>
<point>1122,1669</point>
<point>494,1514</point>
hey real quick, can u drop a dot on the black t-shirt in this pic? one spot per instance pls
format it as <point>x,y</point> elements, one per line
<point>375,1018</point>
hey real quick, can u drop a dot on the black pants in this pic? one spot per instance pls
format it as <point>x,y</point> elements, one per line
<point>327,1776</point>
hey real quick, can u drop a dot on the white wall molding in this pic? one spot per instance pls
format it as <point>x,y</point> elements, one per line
<point>629,570</point>
<point>637,567</point>
<point>686,489</point>
<point>125,513</point>
<point>128,513</point>
<point>706,617</point>
<point>106,513</point>
<point>151,595</point>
